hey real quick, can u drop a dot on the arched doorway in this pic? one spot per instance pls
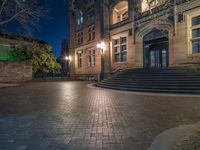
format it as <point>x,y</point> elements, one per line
<point>156,53</point>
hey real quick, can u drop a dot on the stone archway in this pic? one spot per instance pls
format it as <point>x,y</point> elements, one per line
<point>145,29</point>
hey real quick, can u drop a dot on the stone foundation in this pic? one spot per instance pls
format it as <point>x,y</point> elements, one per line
<point>15,71</point>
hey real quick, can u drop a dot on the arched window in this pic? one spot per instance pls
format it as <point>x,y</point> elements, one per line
<point>147,5</point>
<point>120,12</point>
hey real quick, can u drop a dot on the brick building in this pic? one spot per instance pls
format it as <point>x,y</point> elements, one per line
<point>132,34</point>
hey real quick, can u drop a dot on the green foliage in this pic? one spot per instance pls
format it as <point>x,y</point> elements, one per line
<point>41,57</point>
<point>21,54</point>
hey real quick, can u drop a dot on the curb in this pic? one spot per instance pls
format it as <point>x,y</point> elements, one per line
<point>170,138</point>
<point>92,86</point>
<point>5,85</point>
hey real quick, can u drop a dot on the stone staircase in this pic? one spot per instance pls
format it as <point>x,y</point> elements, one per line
<point>169,80</point>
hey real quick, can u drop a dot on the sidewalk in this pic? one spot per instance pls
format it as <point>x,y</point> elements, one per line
<point>185,137</point>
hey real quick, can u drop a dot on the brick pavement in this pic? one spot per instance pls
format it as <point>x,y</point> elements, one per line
<point>70,116</point>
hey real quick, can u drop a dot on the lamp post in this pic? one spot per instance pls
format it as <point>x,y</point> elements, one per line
<point>67,58</point>
<point>101,47</point>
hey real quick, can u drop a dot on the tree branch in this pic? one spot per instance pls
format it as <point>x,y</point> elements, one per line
<point>13,17</point>
<point>2,6</point>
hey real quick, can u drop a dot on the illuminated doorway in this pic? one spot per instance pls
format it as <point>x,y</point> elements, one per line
<point>156,49</point>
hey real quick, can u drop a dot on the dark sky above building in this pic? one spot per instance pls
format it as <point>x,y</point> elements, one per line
<point>54,27</point>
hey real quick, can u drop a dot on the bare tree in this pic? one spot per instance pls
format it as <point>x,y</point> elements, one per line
<point>26,12</point>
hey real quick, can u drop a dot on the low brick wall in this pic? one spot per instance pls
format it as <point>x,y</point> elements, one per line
<point>15,71</point>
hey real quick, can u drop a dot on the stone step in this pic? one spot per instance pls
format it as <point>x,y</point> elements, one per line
<point>163,80</point>
<point>178,91</point>
<point>185,75</point>
<point>161,86</point>
<point>196,84</point>
<point>153,79</point>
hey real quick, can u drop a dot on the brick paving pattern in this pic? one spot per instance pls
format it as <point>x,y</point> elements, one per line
<point>70,116</point>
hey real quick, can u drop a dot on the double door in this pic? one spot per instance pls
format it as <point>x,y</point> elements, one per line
<point>158,58</point>
<point>157,55</point>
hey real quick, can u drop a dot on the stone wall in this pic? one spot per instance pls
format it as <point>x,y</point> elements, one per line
<point>15,71</point>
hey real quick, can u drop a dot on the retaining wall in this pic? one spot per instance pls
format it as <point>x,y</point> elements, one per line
<point>15,71</point>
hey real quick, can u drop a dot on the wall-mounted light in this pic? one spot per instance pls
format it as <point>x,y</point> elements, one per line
<point>101,45</point>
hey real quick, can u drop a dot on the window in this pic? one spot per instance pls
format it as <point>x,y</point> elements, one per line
<point>80,21</point>
<point>79,60</point>
<point>195,31</point>
<point>91,33</point>
<point>180,17</point>
<point>120,49</point>
<point>123,40</point>
<point>125,15</point>
<point>120,12</point>
<point>147,5</point>
<point>80,38</point>
<point>116,42</point>
<point>196,46</point>
<point>91,57</point>
<point>196,21</point>
<point>91,13</point>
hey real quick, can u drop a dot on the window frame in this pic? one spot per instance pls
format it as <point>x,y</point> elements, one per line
<point>80,21</point>
<point>122,16</point>
<point>80,38</point>
<point>91,58</point>
<point>80,60</point>
<point>191,28</point>
<point>91,33</point>
<point>120,52</point>
<point>154,6</point>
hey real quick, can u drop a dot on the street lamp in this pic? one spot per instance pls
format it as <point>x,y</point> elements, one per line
<point>67,58</point>
<point>101,47</point>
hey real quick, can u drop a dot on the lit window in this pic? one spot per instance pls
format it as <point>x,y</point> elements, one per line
<point>80,21</point>
<point>116,41</point>
<point>195,31</point>
<point>147,5</point>
<point>79,60</point>
<point>125,15</point>
<point>120,12</point>
<point>120,49</point>
<point>91,57</point>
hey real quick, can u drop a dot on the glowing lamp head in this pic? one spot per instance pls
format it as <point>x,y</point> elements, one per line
<point>67,58</point>
<point>101,45</point>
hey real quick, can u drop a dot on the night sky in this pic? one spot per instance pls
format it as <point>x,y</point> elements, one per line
<point>54,27</point>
